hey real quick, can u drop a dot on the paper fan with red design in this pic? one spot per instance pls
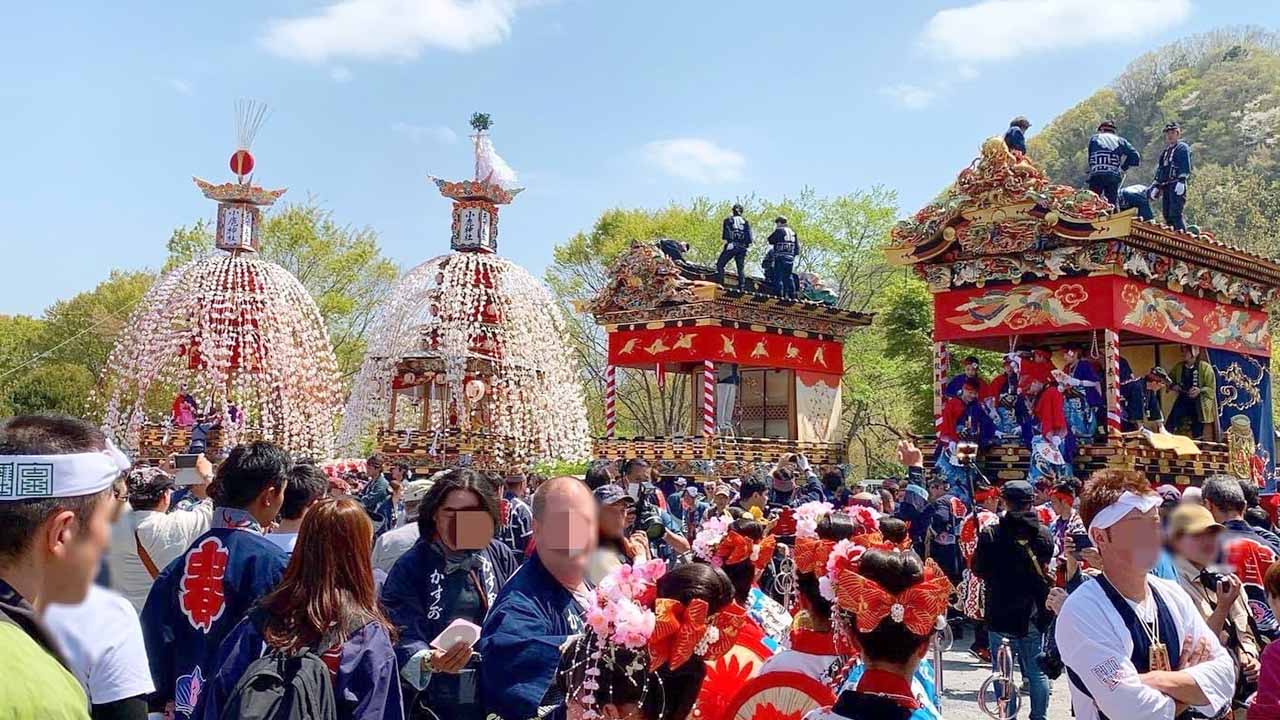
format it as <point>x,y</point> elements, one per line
<point>778,696</point>
<point>728,674</point>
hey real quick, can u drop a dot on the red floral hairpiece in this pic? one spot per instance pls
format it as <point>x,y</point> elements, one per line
<point>680,632</point>
<point>736,548</point>
<point>876,541</point>
<point>918,607</point>
<point>811,555</point>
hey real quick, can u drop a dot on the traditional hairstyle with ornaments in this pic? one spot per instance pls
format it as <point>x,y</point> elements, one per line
<point>888,602</point>
<point>740,548</point>
<point>649,633</point>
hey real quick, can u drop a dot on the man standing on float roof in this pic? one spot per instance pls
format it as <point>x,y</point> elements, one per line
<point>1015,136</point>
<point>786,246</point>
<point>1109,156</point>
<point>1173,170</point>
<point>736,234</point>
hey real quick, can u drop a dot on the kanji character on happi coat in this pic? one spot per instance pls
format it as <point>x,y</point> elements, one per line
<point>1001,398</point>
<point>197,600</point>
<point>971,590</point>
<point>887,604</point>
<point>969,372</point>
<point>1044,429</point>
<point>963,420</point>
<point>742,550</point>
<point>454,572</point>
<point>1082,391</point>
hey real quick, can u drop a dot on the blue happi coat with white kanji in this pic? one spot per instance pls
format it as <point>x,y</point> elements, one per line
<point>428,588</point>
<point>533,617</point>
<point>198,599</point>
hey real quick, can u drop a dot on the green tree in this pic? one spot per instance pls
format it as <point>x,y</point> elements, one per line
<point>59,387</point>
<point>71,342</point>
<point>340,265</point>
<point>83,329</point>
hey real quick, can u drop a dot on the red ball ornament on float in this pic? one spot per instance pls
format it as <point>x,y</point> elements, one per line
<point>241,162</point>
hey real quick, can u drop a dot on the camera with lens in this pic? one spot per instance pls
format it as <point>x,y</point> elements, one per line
<point>1212,580</point>
<point>650,523</point>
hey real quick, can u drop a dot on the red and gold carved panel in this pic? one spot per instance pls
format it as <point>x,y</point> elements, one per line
<point>646,348</point>
<point>1098,303</point>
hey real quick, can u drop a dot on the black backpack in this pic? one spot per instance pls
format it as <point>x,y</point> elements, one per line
<point>283,685</point>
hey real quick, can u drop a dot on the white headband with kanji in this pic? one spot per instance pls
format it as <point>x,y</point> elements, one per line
<point>33,477</point>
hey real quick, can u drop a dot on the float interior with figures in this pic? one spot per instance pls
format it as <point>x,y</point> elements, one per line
<point>1017,265</point>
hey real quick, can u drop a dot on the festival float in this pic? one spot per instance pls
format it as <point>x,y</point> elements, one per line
<point>765,371</point>
<point>466,360</point>
<point>233,341</point>
<point>1013,260</point>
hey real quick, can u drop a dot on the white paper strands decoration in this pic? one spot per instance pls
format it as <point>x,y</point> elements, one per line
<point>464,307</point>
<point>262,344</point>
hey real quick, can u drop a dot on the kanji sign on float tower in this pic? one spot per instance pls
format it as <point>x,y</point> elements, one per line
<point>466,358</point>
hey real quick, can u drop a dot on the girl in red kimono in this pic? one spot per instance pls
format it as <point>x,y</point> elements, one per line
<point>742,549</point>
<point>811,647</point>
<point>650,634</point>
<point>889,604</point>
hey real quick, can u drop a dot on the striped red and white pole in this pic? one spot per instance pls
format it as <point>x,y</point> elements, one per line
<point>1111,343</point>
<point>708,398</point>
<point>610,400</point>
<point>941,365</point>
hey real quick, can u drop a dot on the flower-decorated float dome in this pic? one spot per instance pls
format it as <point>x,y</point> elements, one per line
<point>235,340</point>
<point>467,357</point>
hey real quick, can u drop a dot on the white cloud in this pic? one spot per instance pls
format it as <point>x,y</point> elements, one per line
<point>340,74</point>
<point>390,29</point>
<point>695,159</point>
<point>419,134</point>
<point>182,86</point>
<point>1004,29</point>
<point>912,97</point>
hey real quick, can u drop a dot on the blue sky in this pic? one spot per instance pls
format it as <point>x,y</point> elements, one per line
<point>110,108</point>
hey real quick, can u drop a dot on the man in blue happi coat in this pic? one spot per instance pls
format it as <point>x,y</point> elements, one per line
<point>1015,137</point>
<point>204,593</point>
<point>540,608</point>
<point>1109,156</point>
<point>1173,171</point>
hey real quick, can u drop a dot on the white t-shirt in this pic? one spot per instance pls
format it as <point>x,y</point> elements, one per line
<point>102,639</point>
<point>164,536</point>
<point>394,543</point>
<point>286,540</point>
<point>1096,645</point>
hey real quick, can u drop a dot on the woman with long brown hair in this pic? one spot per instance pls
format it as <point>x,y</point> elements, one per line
<point>326,604</point>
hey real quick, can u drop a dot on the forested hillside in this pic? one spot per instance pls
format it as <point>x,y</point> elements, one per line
<point>1224,88</point>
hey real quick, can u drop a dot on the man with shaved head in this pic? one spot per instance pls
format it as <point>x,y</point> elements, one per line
<point>540,608</point>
